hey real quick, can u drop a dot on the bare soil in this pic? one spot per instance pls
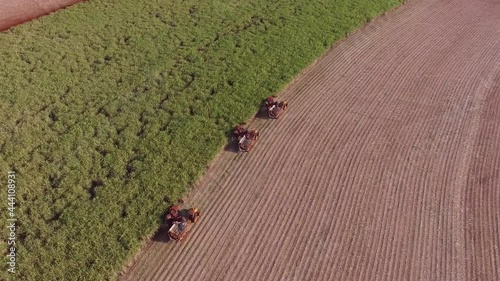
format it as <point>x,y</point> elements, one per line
<point>385,166</point>
<point>14,12</point>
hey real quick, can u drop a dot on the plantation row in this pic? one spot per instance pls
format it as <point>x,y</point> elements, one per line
<point>112,109</point>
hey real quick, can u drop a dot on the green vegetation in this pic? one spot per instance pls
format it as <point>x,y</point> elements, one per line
<point>112,109</point>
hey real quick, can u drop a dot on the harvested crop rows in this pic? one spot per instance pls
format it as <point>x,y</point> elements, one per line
<point>14,12</point>
<point>385,167</point>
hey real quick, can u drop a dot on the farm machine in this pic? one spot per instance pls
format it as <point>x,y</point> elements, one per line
<point>246,138</point>
<point>275,107</point>
<point>179,222</point>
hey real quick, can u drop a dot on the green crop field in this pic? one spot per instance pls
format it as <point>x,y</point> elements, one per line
<point>110,110</point>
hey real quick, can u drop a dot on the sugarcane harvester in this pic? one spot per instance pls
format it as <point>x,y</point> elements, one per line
<point>179,222</point>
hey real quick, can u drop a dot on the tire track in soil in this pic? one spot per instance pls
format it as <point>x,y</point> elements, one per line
<point>392,175</point>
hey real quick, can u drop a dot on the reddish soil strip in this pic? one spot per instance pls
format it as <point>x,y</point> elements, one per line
<point>385,167</point>
<point>14,12</point>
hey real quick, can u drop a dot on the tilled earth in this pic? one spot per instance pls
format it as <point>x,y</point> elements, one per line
<point>14,12</point>
<point>385,167</point>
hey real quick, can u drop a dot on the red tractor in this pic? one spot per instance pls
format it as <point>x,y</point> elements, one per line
<point>179,222</point>
<point>275,107</point>
<point>246,138</point>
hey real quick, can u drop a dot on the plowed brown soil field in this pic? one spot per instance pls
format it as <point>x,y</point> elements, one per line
<point>14,12</point>
<point>385,167</point>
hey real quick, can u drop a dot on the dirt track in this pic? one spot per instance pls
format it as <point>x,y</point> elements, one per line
<point>14,12</point>
<point>385,167</point>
